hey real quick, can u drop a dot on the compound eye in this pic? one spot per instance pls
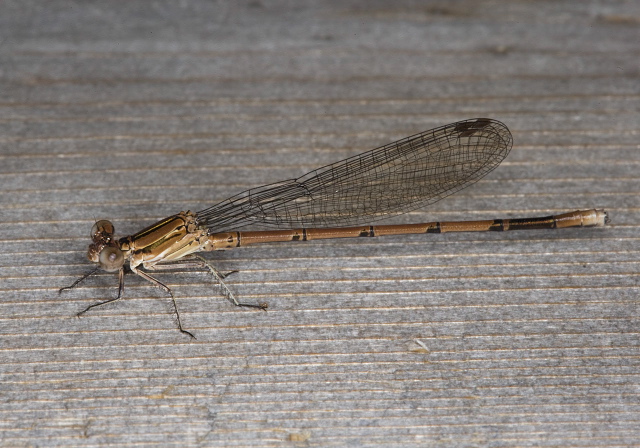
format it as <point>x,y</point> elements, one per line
<point>111,259</point>
<point>102,231</point>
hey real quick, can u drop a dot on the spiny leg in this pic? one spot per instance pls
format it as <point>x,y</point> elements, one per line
<point>227,274</point>
<point>120,290</point>
<point>226,292</point>
<point>167,289</point>
<point>77,282</point>
<point>196,261</point>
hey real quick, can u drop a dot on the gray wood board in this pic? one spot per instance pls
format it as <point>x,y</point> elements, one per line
<point>132,111</point>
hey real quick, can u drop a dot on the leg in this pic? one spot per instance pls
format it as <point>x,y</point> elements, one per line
<point>200,262</point>
<point>147,277</point>
<point>120,290</point>
<point>226,292</point>
<point>77,282</point>
<point>227,274</point>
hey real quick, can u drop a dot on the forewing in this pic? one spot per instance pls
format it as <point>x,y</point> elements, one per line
<point>392,179</point>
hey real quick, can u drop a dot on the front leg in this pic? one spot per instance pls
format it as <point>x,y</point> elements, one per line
<point>120,291</point>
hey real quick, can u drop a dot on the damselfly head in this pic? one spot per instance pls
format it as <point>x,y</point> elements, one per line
<point>111,259</point>
<point>104,249</point>
<point>102,232</point>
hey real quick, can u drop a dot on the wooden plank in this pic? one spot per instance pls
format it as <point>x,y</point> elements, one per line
<point>133,111</point>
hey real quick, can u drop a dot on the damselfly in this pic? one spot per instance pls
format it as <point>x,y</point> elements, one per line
<point>329,202</point>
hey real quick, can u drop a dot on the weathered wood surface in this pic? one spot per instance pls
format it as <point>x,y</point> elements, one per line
<point>132,111</point>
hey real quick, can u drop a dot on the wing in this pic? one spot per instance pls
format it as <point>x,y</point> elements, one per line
<point>392,179</point>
